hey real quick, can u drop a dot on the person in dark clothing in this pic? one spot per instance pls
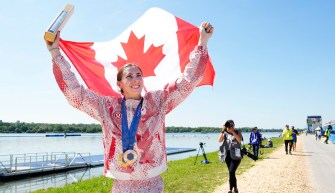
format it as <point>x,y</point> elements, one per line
<point>269,144</point>
<point>255,141</point>
<point>229,136</point>
<point>327,133</point>
<point>294,138</point>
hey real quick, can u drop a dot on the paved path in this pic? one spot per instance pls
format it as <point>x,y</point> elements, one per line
<point>321,161</point>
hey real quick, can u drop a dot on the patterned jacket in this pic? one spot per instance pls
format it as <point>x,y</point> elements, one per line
<point>150,136</point>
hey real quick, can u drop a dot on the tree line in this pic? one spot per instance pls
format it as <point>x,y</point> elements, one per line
<point>173,129</point>
<point>22,127</point>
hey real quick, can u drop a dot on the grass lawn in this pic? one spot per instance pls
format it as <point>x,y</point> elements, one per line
<point>182,176</point>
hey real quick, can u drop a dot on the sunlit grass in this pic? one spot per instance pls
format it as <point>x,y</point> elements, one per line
<point>183,176</point>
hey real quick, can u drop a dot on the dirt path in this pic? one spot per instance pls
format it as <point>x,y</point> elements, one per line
<point>276,174</point>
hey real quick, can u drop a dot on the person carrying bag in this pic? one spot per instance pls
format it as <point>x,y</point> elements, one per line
<point>232,147</point>
<point>230,151</point>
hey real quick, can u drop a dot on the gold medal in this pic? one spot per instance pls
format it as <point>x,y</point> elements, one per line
<point>130,156</point>
<point>121,161</point>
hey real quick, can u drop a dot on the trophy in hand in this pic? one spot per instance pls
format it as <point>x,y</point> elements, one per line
<point>58,23</point>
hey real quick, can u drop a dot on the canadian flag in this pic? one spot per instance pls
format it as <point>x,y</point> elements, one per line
<point>158,42</point>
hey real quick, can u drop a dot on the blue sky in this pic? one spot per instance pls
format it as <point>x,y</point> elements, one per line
<point>274,60</point>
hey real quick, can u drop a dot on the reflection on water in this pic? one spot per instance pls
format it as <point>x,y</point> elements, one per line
<point>90,143</point>
<point>30,184</point>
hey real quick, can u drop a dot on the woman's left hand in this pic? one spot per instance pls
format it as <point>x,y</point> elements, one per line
<point>230,130</point>
<point>206,31</point>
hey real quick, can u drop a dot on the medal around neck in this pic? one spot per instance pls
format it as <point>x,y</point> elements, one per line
<point>129,155</point>
<point>121,161</point>
<point>128,158</point>
<point>58,23</point>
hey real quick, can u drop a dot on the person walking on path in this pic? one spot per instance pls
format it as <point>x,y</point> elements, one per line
<point>287,137</point>
<point>319,134</point>
<point>294,138</point>
<point>327,133</point>
<point>277,173</point>
<point>255,141</point>
<point>230,136</point>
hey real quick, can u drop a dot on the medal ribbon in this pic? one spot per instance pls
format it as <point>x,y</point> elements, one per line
<point>128,134</point>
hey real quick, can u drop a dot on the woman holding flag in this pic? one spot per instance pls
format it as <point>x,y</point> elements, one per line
<point>134,124</point>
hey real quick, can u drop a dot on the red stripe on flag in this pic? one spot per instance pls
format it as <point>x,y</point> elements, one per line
<point>92,72</point>
<point>188,36</point>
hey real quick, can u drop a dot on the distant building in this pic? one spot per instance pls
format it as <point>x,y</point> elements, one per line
<point>313,122</point>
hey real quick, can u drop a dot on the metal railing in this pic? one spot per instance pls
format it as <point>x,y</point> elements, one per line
<point>32,162</point>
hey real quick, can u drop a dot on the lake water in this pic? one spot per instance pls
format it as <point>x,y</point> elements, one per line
<point>90,143</point>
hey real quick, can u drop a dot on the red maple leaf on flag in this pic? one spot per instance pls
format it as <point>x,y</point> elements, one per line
<point>134,50</point>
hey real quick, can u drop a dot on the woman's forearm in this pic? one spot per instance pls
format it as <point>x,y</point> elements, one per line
<point>238,136</point>
<point>54,52</point>
<point>221,137</point>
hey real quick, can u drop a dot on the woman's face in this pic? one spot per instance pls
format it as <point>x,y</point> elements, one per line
<point>131,83</point>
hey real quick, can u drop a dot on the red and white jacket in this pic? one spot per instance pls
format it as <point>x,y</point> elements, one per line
<point>150,136</point>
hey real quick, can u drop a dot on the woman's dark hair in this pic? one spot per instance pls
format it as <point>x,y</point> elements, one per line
<point>330,127</point>
<point>121,70</point>
<point>229,124</point>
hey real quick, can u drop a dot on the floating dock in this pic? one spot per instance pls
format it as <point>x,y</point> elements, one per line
<point>62,135</point>
<point>15,166</point>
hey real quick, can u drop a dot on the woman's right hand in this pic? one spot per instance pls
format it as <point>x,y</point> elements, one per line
<point>53,47</point>
<point>223,129</point>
